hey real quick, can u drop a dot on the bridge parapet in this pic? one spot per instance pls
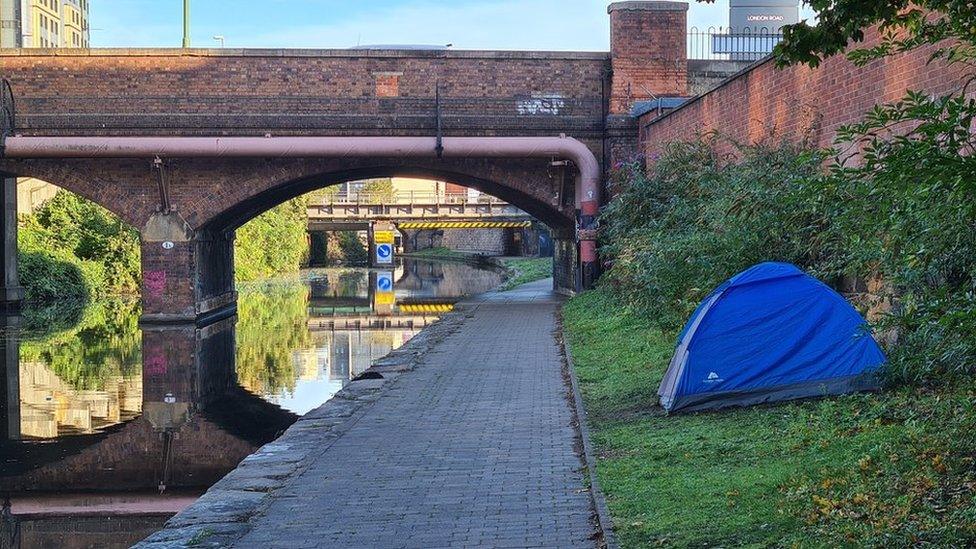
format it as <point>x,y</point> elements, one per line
<point>412,206</point>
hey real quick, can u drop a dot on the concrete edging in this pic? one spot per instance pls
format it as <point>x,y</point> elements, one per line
<point>604,520</point>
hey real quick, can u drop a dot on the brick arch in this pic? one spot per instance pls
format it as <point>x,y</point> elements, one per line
<point>245,189</point>
<point>98,182</point>
<point>237,214</point>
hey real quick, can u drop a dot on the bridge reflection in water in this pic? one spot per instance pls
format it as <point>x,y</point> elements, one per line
<point>107,430</point>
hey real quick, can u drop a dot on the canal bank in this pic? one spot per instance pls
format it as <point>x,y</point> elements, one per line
<point>102,413</point>
<point>464,436</point>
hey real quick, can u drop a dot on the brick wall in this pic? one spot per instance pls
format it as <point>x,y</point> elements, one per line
<point>251,92</point>
<point>484,241</point>
<point>799,103</point>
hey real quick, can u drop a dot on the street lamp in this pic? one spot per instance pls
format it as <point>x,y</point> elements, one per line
<point>219,38</point>
<point>186,23</point>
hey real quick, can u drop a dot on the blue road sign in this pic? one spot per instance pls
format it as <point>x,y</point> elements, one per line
<point>384,253</point>
<point>384,282</point>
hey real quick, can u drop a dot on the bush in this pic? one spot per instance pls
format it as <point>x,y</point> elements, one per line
<point>274,242</point>
<point>92,234</point>
<point>71,248</point>
<point>902,214</point>
<point>48,277</point>
<point>353,250</point>
<point>908,214</point>
<point>675,233</point>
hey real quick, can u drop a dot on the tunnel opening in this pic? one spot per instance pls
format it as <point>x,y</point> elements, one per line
<point>345,206</point>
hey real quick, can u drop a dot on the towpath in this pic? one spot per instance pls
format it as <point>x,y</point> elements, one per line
<point>474,446</point>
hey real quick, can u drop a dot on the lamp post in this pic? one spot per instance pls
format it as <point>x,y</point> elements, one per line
<point>186,23</point>
<point>220,39</point>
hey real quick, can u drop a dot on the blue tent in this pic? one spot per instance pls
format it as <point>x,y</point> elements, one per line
<point>769,333</point>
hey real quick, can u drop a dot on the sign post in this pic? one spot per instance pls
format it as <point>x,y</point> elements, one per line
<point>382,241</point>
<point>383,296</point>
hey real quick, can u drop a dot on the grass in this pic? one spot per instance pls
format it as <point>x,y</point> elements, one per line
<point>525,270</point>
<point>868,470</point>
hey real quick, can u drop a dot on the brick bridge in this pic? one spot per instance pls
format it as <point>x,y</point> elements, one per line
<point>204,140</point>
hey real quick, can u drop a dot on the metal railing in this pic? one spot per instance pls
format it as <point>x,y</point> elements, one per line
<point>728,44</point>
<point>403,197</point>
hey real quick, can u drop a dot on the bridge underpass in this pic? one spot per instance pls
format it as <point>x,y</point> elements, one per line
<point>492,226</point>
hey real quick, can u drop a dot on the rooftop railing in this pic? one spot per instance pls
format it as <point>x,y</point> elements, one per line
<point>728,44</point>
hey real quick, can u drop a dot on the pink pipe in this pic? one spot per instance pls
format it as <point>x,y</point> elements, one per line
<point>216,147</point>
<point>453,147</point>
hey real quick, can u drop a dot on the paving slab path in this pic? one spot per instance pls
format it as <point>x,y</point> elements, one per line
<point>475,447</point>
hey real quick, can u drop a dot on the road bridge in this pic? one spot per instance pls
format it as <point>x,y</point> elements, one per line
<point>187,145</point>
<point>434,210</point>
<point>410,212</point>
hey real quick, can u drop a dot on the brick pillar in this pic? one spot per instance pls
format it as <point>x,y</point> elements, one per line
<point>10,378</point>
<point>11,292</point>
<point>187,275</point>
<point>566,273</point>
<point>648,49</point>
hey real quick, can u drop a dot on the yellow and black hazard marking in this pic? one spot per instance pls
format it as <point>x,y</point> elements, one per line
<point>427,308</point>
<point>464,225</point>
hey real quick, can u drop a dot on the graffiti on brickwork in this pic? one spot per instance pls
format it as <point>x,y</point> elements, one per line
<point>155,282</point>
<point>541,104</point>
<point>155,362</point>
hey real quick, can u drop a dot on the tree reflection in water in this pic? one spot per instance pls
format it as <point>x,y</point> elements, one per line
<point>272,325</point>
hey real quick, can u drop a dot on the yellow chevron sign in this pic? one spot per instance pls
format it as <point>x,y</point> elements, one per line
<point>433,308</point>
<point>465,225</point>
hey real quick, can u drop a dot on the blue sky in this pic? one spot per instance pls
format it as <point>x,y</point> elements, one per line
<point>468,24</point>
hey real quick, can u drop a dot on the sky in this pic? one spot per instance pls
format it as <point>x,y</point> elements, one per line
<point>581,25</point>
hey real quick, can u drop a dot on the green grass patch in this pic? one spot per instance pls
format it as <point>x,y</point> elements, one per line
<point>525,270</point>
<point>866,470</point>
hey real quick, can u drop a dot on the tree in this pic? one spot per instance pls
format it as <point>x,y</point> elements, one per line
<point>380,190</point>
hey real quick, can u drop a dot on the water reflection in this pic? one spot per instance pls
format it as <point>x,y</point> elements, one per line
<point>106,430</point>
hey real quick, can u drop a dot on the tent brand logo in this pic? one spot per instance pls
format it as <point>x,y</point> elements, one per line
<point>712,378</point>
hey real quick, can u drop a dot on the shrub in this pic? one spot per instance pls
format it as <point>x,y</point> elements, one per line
<point>353,250</point>
<point>92,234</point>
<point>693,221</point>
<point>50,276</point>
<point>908,215</point>
<point>71,248</point>
<point>274,242</point>
<point>902,213</point>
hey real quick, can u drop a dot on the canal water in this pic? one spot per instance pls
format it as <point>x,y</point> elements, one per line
<point>107,430</point>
